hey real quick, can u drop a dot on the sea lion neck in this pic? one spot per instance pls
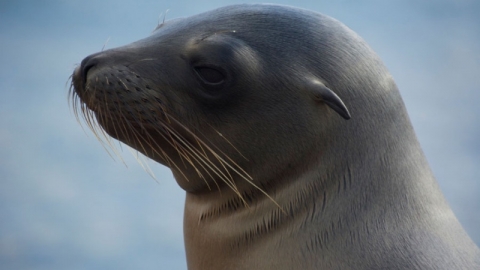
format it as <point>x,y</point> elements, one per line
<point>317,204</point>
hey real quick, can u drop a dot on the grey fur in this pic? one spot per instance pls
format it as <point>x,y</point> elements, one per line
<point>354,194</point>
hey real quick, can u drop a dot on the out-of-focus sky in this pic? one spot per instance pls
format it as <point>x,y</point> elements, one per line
<point>65,204</point>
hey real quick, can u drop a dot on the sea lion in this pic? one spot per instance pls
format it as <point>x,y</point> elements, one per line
<point>248,105</point>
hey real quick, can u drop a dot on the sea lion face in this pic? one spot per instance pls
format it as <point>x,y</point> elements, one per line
<point>200,95</point>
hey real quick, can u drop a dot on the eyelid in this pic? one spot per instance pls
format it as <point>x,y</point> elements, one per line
<point>210,75</point>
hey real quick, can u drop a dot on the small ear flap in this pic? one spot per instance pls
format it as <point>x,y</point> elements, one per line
<point>323,93</point>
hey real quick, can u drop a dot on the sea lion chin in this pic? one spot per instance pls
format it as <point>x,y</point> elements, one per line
<point>288,135</point>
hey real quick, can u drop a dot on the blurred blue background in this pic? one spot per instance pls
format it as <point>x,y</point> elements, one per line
<point>65,204</point>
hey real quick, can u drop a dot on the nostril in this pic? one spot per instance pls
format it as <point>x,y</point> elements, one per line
<point>80,75</point>
<point>87,64</point>
<point>88,67</point>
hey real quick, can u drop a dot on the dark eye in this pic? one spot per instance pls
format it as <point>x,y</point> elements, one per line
<point>210,75</point>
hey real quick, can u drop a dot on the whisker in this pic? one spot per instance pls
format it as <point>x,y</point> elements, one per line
<point>203,156</point>
<point>231,144</point>
<point>210,165</point>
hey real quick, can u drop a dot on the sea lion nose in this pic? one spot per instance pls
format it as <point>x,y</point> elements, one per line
<point>80,75</point>
<point>87,64</point>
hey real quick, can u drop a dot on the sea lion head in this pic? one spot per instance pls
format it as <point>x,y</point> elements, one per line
<point>233,97</point>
